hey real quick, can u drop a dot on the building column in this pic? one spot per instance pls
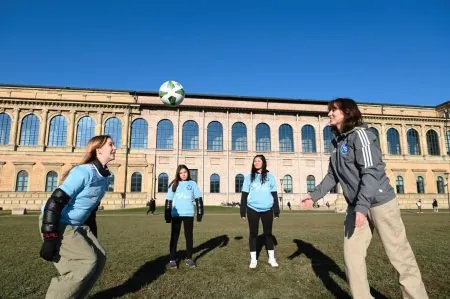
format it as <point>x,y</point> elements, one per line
<point>15,126</point>
<point>71,130</point>
<point>442,142</point>
<point>126,127</point>
<point>383,140</point>
<point>43,128</point>
<point>99,124</point>
<point>423,141</point>
<point>403,143</point>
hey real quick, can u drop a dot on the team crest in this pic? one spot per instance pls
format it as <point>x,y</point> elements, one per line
<point>189,187</point>
<point>344,149</point>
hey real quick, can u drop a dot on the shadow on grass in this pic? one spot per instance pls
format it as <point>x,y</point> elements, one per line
<point>261,242</point>
<point>150,271</point>
<point>323,266</point>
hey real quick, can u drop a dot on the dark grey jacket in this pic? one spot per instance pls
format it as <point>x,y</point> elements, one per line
<point>355,162</point>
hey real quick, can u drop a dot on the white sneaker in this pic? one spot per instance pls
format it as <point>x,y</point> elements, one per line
<point>253,264</point>
<point>273,263</point>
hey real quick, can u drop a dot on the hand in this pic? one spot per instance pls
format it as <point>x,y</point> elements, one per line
<point>49,249</point>
<point>307,202</point>
<point>360,219</point>
<point>199,218</point>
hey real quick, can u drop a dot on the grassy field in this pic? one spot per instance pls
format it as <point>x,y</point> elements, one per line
<point>309,252</point>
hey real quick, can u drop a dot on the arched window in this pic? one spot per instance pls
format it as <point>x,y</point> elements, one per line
<point>29,132</point>
<point>163,182</point>
<point>57,132</point>
<point>136,182</point>
<point>286,138</point>
<point>139,133</point>
<point>190,135</point>
<point>310,183</point>
<point>308,139</point>
<point>440,185</point>
<point>85,131</point>
<point>215,136</point>
<point>22,181</point>
<point>433,143</point>
<point>239,137</point>
<point>393,142</point>
<point>51,181</point>
<point>238,182</point>
<point>113,128</point>
<point>327,137</point>
<point>375,132</point>
<point>164,134</point>
<point>214,185</point>
<point>287,184</point>
<point>420,185</point>
<point>413,140</point>
<point>400,185</point>
<point>111,183</point>
<point>262,138</point>
<point>5,128</point>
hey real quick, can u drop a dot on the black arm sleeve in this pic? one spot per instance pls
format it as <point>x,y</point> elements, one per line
<point>168,211</point>
<point>91,221</point>
<point>199,204</point>
<point>276,206</point>
<point>243,206</point>
<point>52,211</point>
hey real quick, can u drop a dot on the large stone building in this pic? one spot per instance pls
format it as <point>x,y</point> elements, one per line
<point>43,132</point>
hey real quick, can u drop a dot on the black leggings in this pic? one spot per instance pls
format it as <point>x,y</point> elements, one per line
<point>175,233</point>
<point>253,224</point>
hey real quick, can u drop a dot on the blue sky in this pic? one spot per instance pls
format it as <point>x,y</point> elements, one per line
<point>374,51</point>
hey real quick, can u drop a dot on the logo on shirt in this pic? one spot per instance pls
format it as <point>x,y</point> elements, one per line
<point>344,149</point>
<point>189,187</point>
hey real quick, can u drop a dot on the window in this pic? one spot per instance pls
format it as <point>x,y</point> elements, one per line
<point>327,137</point>
<point>400,185</point>
<point>310,183</point>
<point>214,185</point>
<point>85,131</point>
<point>447,142</point>
<point>57,132</point>
<point>262,138</point>
<point>413,140</point>
<point>190,135</point>
<point>30,130</point>
<point>239,137</point>
<point>136,182</point>
<point>420,185</point>
<point>308,139</point>
<point>215,136</point>
<point>440,185</point>
<point>433,143</point>
<point>287,184</point>
<point>164,134</point>
<point>22,181</point>
<point>194,174</point>
<point>51,181</point>
<point>375,132</point>
<point>111,183</point>
<point>286,136</point>
<point>139,133</point>
<point>163,182</point>
<point>238,182</point>
<point>113,128</point>
<point>5,128</point>
<point>393,142</point>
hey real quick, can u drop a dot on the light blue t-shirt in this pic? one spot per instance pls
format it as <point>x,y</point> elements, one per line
<point>184,198</point>
<point>86,187</point>
<point>260,195</point>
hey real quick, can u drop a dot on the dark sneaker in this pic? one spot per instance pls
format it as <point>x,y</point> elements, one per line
<point>190,263</point>
<point>172,265</point>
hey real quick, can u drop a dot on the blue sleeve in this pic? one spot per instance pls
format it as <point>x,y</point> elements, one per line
<point>170,194</point>
<point>197,192</point>
<point>75,182</point>
<point>273,183</point>
<point>246,184</point>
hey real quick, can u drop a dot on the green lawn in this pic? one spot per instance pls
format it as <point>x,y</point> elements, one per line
<point>309,252</point>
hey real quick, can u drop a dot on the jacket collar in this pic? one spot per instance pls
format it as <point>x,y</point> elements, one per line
<point>103,170</point>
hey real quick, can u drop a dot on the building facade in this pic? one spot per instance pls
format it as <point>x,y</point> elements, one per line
<point>44,131</point>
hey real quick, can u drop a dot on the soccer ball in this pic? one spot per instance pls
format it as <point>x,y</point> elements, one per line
<point>171,93</point>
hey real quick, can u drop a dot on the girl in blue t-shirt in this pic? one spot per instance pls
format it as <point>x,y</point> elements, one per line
<point>183,193</point>
<point>68,224</point>
<point>259,200</point>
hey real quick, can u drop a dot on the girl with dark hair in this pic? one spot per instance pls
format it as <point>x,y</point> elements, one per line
<point>259,200</point>
<point>68,224</point>
<point>356,164</point>
<point>179,207</point>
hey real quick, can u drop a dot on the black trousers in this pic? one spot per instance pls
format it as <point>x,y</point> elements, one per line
<point>253,225</point>
<point>188,234</point>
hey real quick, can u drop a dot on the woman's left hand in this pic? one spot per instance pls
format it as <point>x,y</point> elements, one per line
<point>360,219</point>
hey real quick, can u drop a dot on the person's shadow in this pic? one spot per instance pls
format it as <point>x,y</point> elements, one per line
<point>261,242</point>
<point>150,271</point>
<point>323,266</point>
